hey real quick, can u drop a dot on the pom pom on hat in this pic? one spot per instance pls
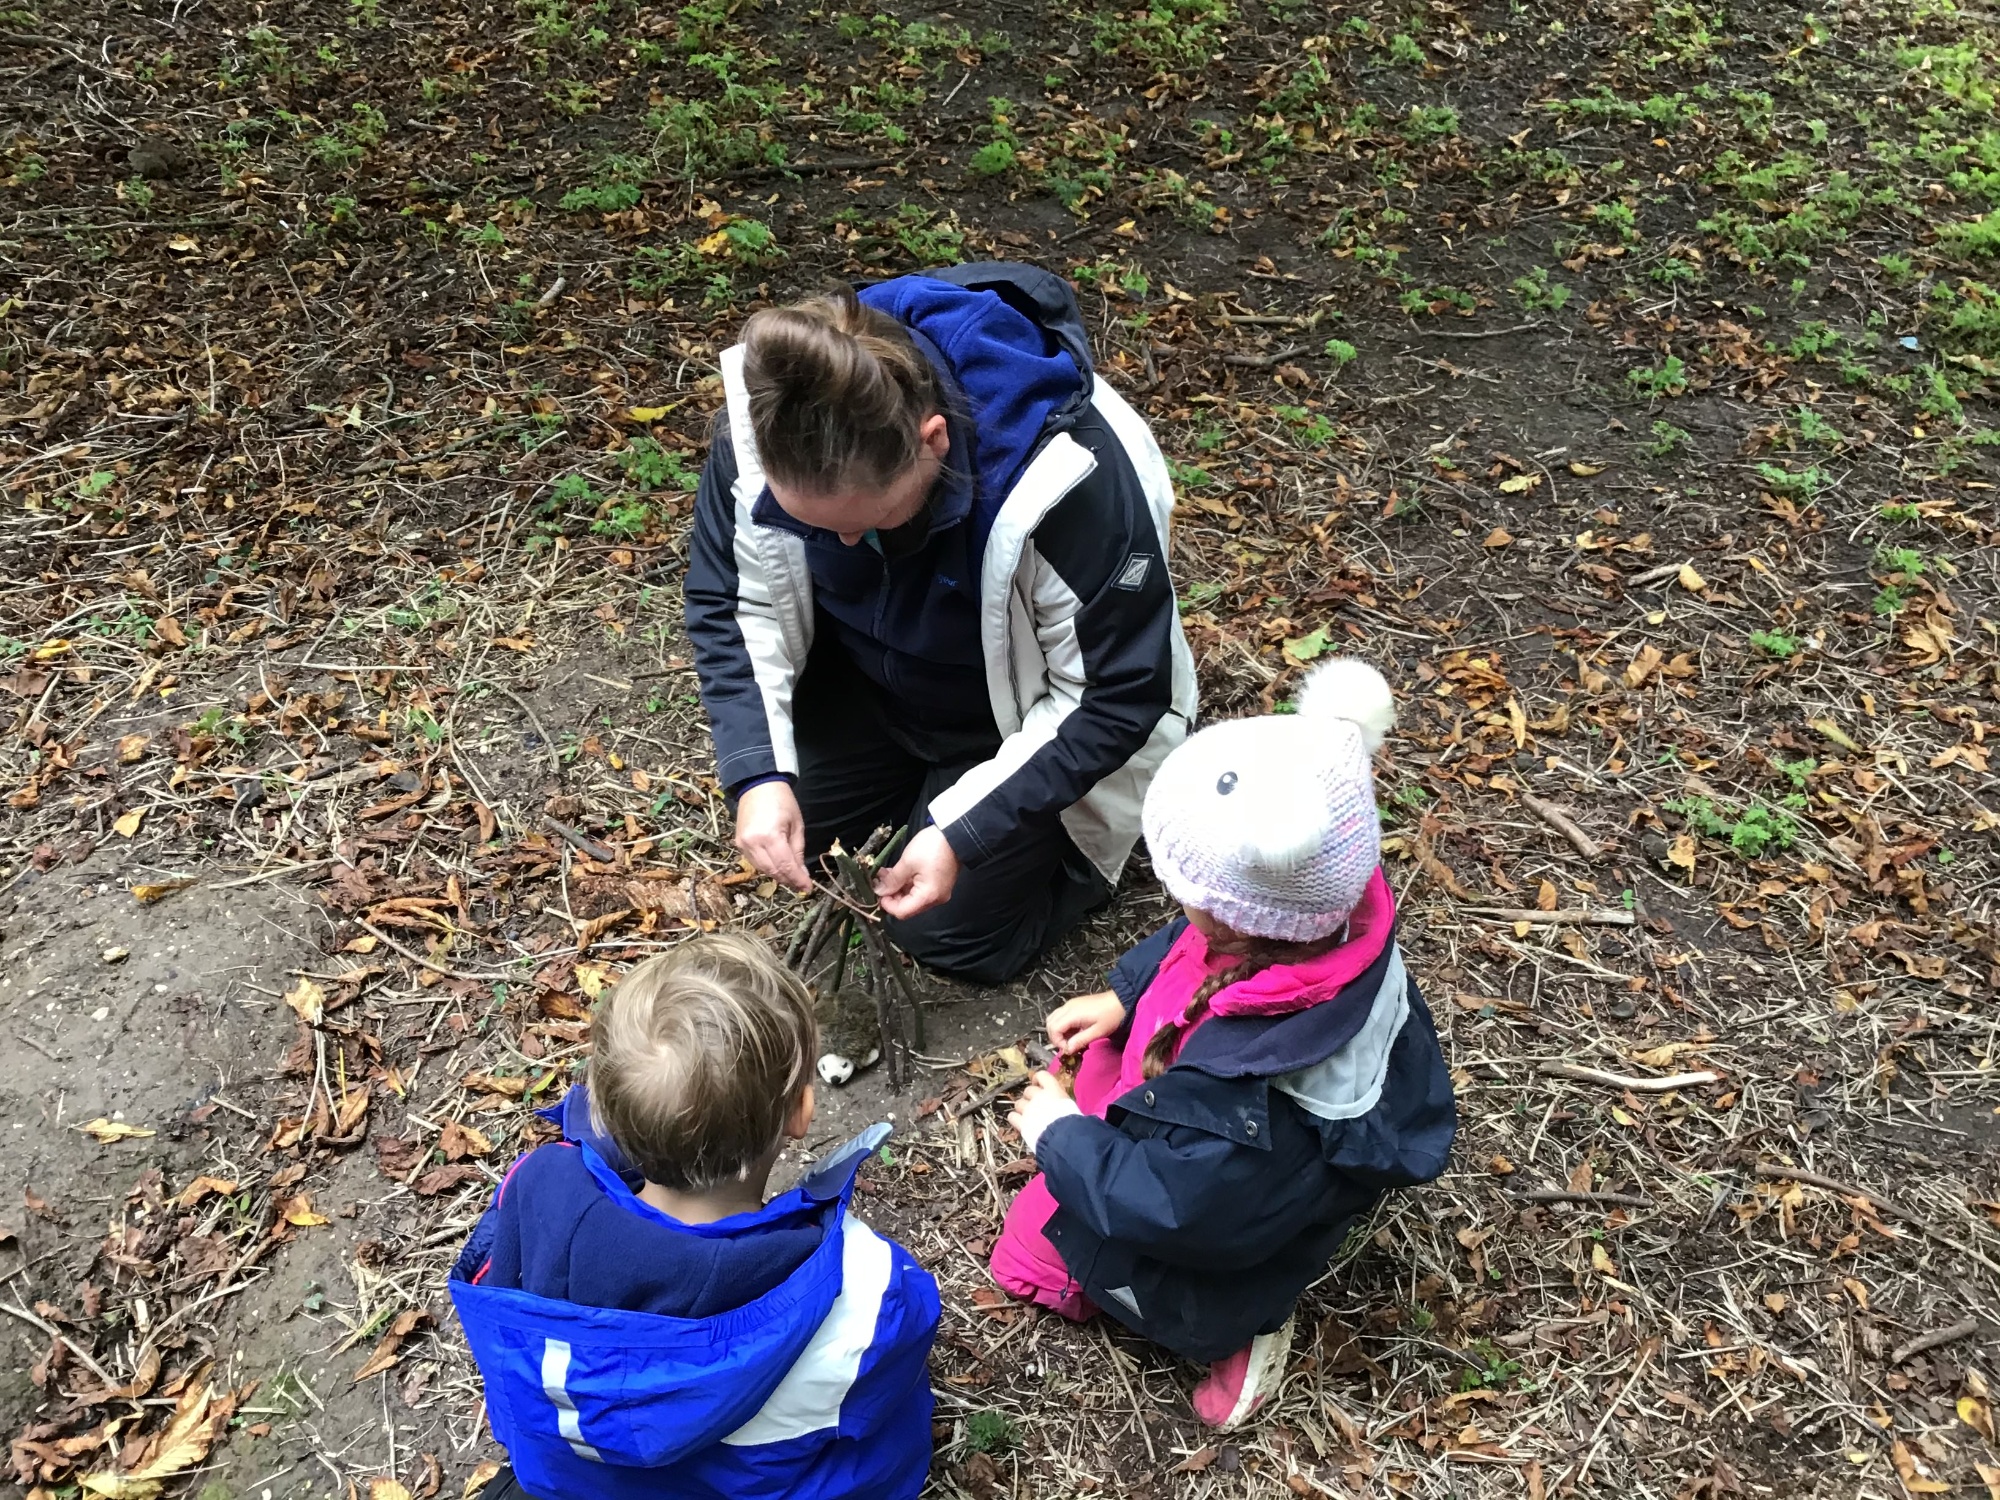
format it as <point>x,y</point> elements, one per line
<point>1349,688</point>
<point>1269,824</point>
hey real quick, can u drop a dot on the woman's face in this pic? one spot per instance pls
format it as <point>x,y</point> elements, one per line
<point>852,514</point>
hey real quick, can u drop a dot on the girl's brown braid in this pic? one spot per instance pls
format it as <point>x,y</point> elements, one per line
<point>1258,954</point>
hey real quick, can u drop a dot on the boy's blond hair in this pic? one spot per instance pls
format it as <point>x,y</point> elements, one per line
<point>698,1057</point>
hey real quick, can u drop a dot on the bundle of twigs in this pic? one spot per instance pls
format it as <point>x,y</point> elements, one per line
<point>846,908</point>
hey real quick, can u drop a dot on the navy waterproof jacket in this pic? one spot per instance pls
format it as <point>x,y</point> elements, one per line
<point>780,1355</point>
<point>1208,1199</point>
<point>1031,611</point>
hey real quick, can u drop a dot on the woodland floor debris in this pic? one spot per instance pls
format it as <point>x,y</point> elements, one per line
<point>1618,377</point>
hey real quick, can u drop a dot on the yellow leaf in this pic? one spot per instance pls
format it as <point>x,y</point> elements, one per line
<point>1583,470</point>
<point>1517,720</point>
<point>593,978</point>
<point>50,650</point>
<point>1622,1118</point>
<point>1977,1415</point>
<point>1520,484</point>
<point>308,999</point>
<point>714,244</point>
<point>1690,580</point>
<point>146,895</point>
<point>363,944</point>
<point>1601,1262</point>
<point>1681,851</point>
<point>184,244</point>
<point>647,413</point>
<point>1663,1056</point>
<point>386,1489</point>
<point>128,823</point>
<point>1499,536</point>
<point>181,1446</point>
<point>1831,731</point>
<point>299,1210</point>
<point>108,1131</point>
<point>1499,1166</point>
<point>131,747</point>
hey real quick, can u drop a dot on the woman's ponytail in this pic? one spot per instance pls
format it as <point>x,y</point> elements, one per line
<point>839,393</point>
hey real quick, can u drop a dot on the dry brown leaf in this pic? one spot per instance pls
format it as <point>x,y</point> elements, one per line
<point>1499,536</point>
<point>146,895</point>
<point>1546,896</point>
<point>386,1489</point>
<point>201,1187</point>
<point>482,1475</point>
<point>308,1000</point>
<point>387,1350</point>
<point>131,747</point>
<point>1914,1480</point>
<point>1681,851</point>
<point>460,1141</point>
<point>1520,484</point>
<point>108,1131</point>
<point>1643,666</point>
<point>168,629</point>
<point>1583,470</point>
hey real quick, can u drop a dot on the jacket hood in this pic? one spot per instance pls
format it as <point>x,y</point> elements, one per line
<point>701,1376</point>
<point>1009,339</point>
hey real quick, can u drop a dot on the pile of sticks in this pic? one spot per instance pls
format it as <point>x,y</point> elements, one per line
<point>826,939</point>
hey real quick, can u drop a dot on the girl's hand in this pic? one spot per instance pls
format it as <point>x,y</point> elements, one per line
<point>1041,1104</point>
<point>1075,1024</point>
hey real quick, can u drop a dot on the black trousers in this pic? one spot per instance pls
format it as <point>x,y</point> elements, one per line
<point>860,768</point>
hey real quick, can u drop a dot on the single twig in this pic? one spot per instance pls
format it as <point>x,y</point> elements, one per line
<point>1623,1081</point>
<point>1563,824</point>
<point>1564,1195</point>
<point>1923,1343</point>
<point>1603,916</point>
<point>985,1097</point>
<point>1263,361</point>
<point>577,839</point>
<point>1483,333</point>
<point>555,756</point>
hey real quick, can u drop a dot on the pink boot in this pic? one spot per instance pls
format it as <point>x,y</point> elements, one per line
<point>1235,1387</point>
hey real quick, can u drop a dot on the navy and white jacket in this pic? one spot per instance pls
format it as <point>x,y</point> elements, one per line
<point>1207,1199</point>
<point>780,1355</point>
<point>1040,598</point>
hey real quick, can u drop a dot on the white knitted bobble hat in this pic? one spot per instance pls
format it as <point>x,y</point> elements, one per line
<point>1269,824</point>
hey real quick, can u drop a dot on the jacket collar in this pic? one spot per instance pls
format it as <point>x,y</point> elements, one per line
<point>1284,988</point>
<point>1261,1046</point>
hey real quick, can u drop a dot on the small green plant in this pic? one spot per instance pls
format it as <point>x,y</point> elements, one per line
<point>1802,485</point>
<point>990,1432</point>
<point>1490,1371</point>
<point>1899,562</point>
<point>1668,378</point>
<point>1429,123</point>
<point>1539,294</point>
<point>1618,220</point>
<point>1404,51</point>
<point>626,519</point>
<point>1797,772</point>
<point>1667,439</point>
<point>996,158</point>
<point>1774,643</point>
<point>1751,833</point>
<point>1340,352</point>
<point>651,467</point>
<point>1816,429</point>
<point>1898,513</point>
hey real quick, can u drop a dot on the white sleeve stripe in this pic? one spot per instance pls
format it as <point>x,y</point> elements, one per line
<point>809,1398</point>
<point>555,1385</point>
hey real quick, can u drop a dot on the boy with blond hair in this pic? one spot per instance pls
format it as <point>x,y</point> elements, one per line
<point>646,1324</point>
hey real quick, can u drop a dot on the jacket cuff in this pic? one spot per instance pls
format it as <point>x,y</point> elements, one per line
<point>965,843</point>
<point>1046,1150</point>
<point>737,789</point>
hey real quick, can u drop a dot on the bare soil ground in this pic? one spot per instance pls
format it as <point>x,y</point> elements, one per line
<point>1617,376</point>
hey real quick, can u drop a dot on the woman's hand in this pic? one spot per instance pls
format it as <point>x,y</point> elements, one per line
<point>1075,1024</point>
<point>922,878</point>
<point>771,832</point>
<point>1041,1104</point>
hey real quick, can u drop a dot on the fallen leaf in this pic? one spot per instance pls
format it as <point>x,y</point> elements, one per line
<point>1690,580</point>
<point>460,1141</point>
<point>108,1131</point>
<point>1307,647</point>
<point>201,1187</point>
<point>386,1489</point>
<point>592,979</point>
<point>1499,1166</point>
<point>1907,1471</point>
<point>1990,1475</point>
<point>1833,732</point>
<point>647,413</point>
<point>443,1179</point>
<point>1643,666</point>
<point>1977,1415</point>
<point>308,1000</point>
<point>1499,536</point>
<point>1520,484</point>
<point>298,1210</point>
<point>388,1350</point>
<point>127,824</point>
<point>1583,470</point>
<point>168,629</point>
<point>184,1443</point>
<point>146,895</point>
<point>1681,851</point>
<point>1601,1262</point>
<point>482,1475</point>
<point>131,747</point>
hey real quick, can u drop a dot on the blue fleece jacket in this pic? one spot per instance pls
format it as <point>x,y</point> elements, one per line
<point>628,1356</point>
<point>906,604</point>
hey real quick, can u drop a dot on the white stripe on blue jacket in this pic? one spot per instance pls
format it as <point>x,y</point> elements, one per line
<point>818,1390</point>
